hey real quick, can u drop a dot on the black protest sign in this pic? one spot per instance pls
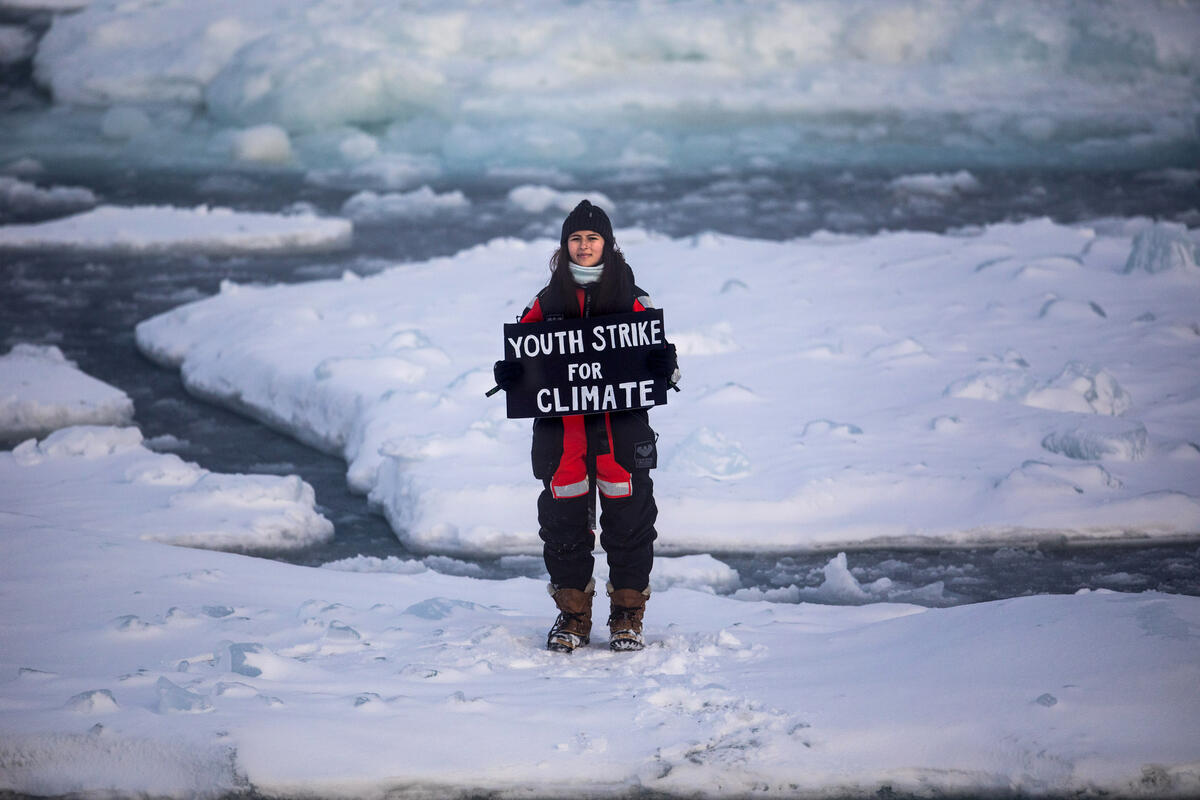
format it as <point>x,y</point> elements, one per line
<point>585,366</point>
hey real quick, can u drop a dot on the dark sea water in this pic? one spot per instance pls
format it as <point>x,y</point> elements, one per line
<point>88,305</point>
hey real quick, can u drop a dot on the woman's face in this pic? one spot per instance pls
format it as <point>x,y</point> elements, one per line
<point>586,248</point>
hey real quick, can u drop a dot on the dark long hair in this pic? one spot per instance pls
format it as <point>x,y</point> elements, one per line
<point>610,294</point>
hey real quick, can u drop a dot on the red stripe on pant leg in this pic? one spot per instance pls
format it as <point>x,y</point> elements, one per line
<point>613,479</point>
<point>572,467</point>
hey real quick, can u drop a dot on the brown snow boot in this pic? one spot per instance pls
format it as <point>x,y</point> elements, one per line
<point>573,628</point>
<point>625,618</point>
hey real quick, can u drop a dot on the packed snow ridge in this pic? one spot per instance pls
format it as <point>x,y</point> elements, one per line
<point>1016,383</point>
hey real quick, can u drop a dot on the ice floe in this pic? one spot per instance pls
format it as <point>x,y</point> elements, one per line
<point>41,390</point>
<point>943,185</point>
<point>536,199</point>
<point>420,203</point>
<point>150,229</point>
<point>25,198</point>
<point>120,488</point>
<point>858,388</point>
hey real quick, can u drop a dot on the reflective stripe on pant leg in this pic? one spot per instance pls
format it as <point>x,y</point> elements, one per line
<point>611,488</point>
<point>570,490</point>
<point>612,479</point>
<point>571,478</point>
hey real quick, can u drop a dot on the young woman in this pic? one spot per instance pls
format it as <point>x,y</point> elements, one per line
<point>575,455</point>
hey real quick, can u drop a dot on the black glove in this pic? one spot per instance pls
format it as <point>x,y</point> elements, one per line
<point>662,362</point>
<point>508,373</point>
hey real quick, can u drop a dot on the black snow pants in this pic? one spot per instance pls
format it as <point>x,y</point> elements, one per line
<point>627,533</point>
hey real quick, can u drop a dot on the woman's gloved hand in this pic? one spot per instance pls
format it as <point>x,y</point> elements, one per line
<point>508,373</point>
<point>662,362</point>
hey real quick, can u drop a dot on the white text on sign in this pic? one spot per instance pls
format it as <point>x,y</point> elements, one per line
<point>569,343</point>
<point>592,399</point>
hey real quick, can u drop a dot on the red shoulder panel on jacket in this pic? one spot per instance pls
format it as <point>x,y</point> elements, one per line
<point>534,312</point>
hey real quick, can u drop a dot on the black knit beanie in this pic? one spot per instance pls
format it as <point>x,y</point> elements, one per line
<point>587,217</point>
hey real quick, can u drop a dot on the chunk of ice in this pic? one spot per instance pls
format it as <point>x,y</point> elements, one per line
<point>710,454</point>
<point>263,143</point>
<point>1163,247</point>
<point>367,206</point>
<point>1128,443</point>
<point>21,198</point>
<point>536,199</point>
<point>439,608</point>
<point>241,657</point>
<point>97,701</point>
<point>1082,387</point>
<point>174,699</point>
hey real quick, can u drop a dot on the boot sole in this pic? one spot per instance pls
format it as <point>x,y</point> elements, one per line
<point>562,644</point>
<point>626,645</point>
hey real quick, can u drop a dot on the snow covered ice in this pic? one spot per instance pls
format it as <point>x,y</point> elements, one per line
<point>1006,384</point>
